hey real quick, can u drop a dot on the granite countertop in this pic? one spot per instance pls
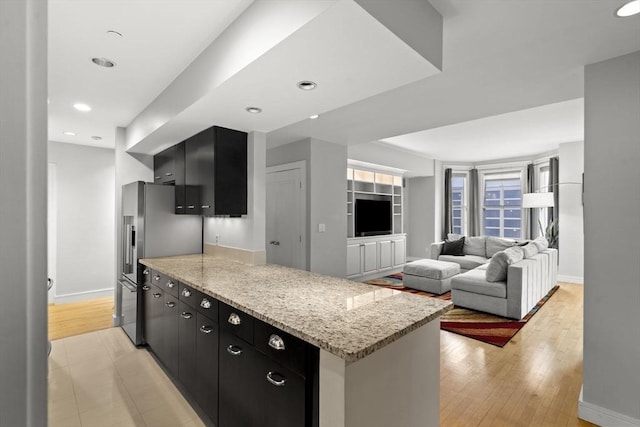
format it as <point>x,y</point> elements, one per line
<point>346,318</point>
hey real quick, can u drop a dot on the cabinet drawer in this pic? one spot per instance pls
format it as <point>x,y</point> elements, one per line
<point>237,322</point>
<point>281,346</point>
<point>165,283</point>
<point>201,302</point>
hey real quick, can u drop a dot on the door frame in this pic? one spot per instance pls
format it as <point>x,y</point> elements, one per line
<point>52,229</point>
<point>302,165</point>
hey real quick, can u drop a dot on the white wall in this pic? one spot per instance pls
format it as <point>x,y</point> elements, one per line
<point>571,237</point>
<point>23,213</point>
<point>247,232</point>
<point>326,200</point>
<point>85,221</point>
<point>380,153</point>
<point>611,373</point>
<point>423,211</point>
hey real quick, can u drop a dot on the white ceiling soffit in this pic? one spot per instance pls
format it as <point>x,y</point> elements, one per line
<point>499,56</point>
<point>159,39</point>
<point>346,51</point>
<point>517,134</point>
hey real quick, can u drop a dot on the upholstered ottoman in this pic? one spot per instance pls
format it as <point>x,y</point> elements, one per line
<point>430,275</point>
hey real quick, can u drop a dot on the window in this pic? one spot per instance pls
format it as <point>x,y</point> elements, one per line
<point>502,205</point>
<point>459,202</point>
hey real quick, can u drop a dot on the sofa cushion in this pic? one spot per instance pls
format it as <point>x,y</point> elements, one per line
<point>453,247</point>
<point>475,245</point>
<point>466,262</point>
<point>530,250</point>
<point>475,281</point>
<point>541,243</point>
<point>432,269</point>
<point>497,244</point>
<point>500,262</point>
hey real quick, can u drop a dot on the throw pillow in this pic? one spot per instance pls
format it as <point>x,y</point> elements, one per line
<point>530,249</point>
<point>475,246</point>
<point>453,247</point>
<point>541,243</point>
<point>497,244</point>
<point>500,262</point>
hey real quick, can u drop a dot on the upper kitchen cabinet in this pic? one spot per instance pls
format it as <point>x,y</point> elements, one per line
<point>164,171</point>
<point>216,164</point>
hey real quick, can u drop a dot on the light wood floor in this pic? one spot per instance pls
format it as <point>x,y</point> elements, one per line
<point>75,318</point>
<point>534,380</point>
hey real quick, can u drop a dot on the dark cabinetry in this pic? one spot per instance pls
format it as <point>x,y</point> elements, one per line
<point>209,170</point>
<point>240,371</point>
<point>269,383</point>
<point>164,166</point>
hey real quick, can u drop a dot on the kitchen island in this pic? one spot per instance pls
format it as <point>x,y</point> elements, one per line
<point>379,350</point>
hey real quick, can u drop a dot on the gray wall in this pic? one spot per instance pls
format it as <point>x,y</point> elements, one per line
<point>423,204</point>
<point>571,235</point>
<point>23,213</point>
<point>326,200</point>
<point>612,231</point>
<point>85,220</point>
<point>247,232</point>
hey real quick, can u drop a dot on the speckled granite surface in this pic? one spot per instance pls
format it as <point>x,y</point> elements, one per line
<point>348,319</point>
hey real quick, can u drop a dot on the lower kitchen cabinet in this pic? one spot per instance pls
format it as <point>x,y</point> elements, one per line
<point>153,298</point>
<point>206,381</point>
<point>238,374</point>
<point>171,326</point>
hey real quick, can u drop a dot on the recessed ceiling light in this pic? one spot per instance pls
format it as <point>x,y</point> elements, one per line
<point>307,85</point>
<point>96,138</point>
<point>628,9</point>
<point>114,34</point>
<point>103,62</point>
<point>254,110</point>
<point>69,133</point>
<point>315,116</point>
<point>81,107</point>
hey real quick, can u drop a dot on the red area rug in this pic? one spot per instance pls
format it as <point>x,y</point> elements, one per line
<point>481,326</point>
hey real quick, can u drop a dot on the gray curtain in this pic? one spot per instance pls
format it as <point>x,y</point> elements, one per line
<point>475,207</point>
<point>530,216</point>
<point>448,196</point>
<point>554,167</point>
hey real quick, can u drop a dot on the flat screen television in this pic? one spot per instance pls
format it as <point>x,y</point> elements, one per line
<point>372,217</point>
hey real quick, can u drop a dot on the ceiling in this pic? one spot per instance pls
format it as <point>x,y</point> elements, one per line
<point>511,82</point>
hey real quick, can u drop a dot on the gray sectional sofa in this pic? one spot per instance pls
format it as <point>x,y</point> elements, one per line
<point>531,272</point>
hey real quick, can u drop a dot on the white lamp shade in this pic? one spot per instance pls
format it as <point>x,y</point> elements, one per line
<point>537,200</point>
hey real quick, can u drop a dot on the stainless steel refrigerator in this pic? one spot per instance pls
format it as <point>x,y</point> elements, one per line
<point>150,229</point>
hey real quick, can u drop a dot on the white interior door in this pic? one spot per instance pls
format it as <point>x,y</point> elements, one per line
<point>284,218</point>
<point>52,220</point>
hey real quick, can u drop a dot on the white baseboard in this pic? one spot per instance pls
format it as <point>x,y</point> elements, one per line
<point>83,296</point>
<point>571,279</point>
<point>604,417</point>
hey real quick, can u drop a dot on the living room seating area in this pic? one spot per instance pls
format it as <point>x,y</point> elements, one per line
<point>498,276</point>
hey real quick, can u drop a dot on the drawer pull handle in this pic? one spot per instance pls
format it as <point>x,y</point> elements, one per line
<point>170,304</point>
<point>234,350</point>
<point>186,315</point>
<point>157,295</point>
<point>179,207</point>
<point>156,278</point>
<point>186,292</point>
<point>191,207</point>
<point>276,379</point>
<point>276,342</point>
<point>206,329</point>
<point>234,319</point>
<point>205,303</point>
<point>205,206</point>
<point>168,174</point>
<point>170,284</point>
<point>145,288</point>
<point>146,271</point>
